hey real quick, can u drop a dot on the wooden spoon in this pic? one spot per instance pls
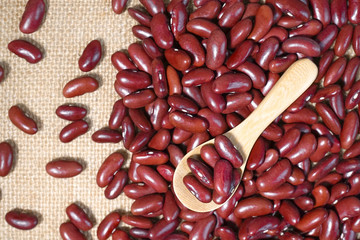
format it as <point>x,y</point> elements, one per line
<point>297,78</point>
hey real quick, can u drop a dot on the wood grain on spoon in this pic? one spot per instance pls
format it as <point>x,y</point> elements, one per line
<point>297,78</point>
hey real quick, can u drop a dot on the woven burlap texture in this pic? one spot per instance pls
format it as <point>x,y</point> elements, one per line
<point>68,27</point>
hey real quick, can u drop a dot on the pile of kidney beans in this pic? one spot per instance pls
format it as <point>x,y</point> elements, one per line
<point>193,76</point>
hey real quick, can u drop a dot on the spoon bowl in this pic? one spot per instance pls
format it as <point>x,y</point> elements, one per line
<point>295,80</point>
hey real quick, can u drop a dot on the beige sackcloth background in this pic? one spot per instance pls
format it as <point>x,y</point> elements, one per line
<point>68,27</point>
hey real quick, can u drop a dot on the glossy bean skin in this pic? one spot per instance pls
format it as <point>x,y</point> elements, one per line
<point>197,76</point>
<point>170,210</point>
<point>257,155</point>
<point>80,86</point>
<point>202,193</point>
<point>209,10</point>
<point>71,113</point>
<point>327,36</point>
<point>19,118</point>
<point>141,32</point>
<point>118,6</point>
<point>352,99</point>
<point>78,217</point>
<point>147,204</point>
<point>152,178</point>
<point>2,73</point>
<point>153,6</point>
<point>280,64</point>
<point>323,146</point>
<point>202,172</point>
<point>326,93</point>
<point>139,98</point>
<point>69,231</point>
<point>305,115</point>
<point>343,40</point>
<point>121,61</point>
<point>349,130</point>
<point>285,190</point>
<point>339,12</point>
<point>350,72</point>
<point>173,81</point>
<point>331,227</point>
<point>191,44</point>
<point>231,14</point>
<point>329,118</point>
<point>267,52</point>
<point>321,11</point>
<point>321,195</point>
<point>150,157</point>
<point>91,56</point>
<point>312,219</point>
<point>297,9</point>
<point>201,27</point>
<point>253,206</point>
<point>117,184</point>
<point>107,169</point>
<point>216,49</point>
<point>324,64</point>
<point>303,150</point>
<point>335,71</point>
<point>139,233</point>
<point>355,40</point>
<point>290,139</point>
<point>140,57</point>
<point>263,23</point>
<point>275,176</point>
<point>26,50</point>
<point>223,177</point>
<point>226,150</point>
<point>188,123</point>
<point>203,228</point>
<point>117,115</point>
<point>106,136</point>
<point>63,168</point>
<point>215,102</point>
<point>310,28</point>
<point>304,45</point>
<point>241,53</point>
<point>305,203</point>
<point>217,123</point>
<point>135,191</point>
<point>140,141</point>
<point>231,82</point>
<point>6,158</point>
<point>179,19</point>
<point>73,130</point>
<point>290,212</point>
<point>32,16</point>
<point>348,207</point>
<point>160,140</point>
<point>107,225</point>
<point>137,221</point>
<point>120,235</point>
<point>20,219</point>
<point>160,31</point>
<point>324,166</point>
<point>239,32</point>
<point>255,73</point>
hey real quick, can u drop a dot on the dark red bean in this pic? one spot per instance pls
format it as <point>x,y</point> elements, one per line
<point>231,82</point>
<point>107,169</point>
<point>289,140</point>
<point>226,150</point>
<point>223,177</point>
<point>141,59</point>
<point>150,177</point>
<point>140,119</point>
<point>312,219</point>
<point>91,56</point>
<point>335,71</point>
<point>117,115</point>
<point>120,235</point>
<point>80,86</point>
<point>166,171</point>
<point>191,44</point>
<point>326,93</point>
<point>257,154</point>
<point>179,19</point>
<point>343,40</point>
<point>6,158</point>
<point>209,10</point>
<point>286,190</point>
<point>323,147</point>
<point>151,48</point>
<point>267,52</point>
<point>239,32</point>
<point>135,191</point>
<point>137,221</point>
<point>350,72</point>
<point>153,6</point>
<point>139,233</point>
<point>353,97</point>
<point>163,228</point>
<point>106,136</point>
<point>20,119</point>
<point>71,113</point>
<point>121,61</point>
<point>20,219</point>
<point>170,210</point>
<point>140,141</point>
<point>330,229</point>
<point>32,16</point>
<point>339,12</point>
<point>150,157</point>
<point>26,50</point>
<point>263,22</point>
<point>241,53</point>
<point>69,231</point>
<point>160,140</point>
<point>116,185</point>
<point>326,37</point>
<point>290,212</point>
<point>253,206</point>
<point>128,131</point>
<point>202,193</point>
<point>197,76</point>
<point>78,217</point>
<point>2,73</point>
<point>323,167</point>
<point>141,32</point>
<point>160,31</point>
<point>356,40</point>
<point>216,49</point>
<point>305,115</point>
<point>275,176</point>
<point>348,207</point>
<point>107,225</point>
<point>203,228</point>
<point>73,130</point>
<point>202,172</point>
<point>188,123</point>
<point>201,27</point>
<point>310,28</point>
<point>324,64</point>
<point>147,204</point>
<point>329,118</point>
<point>178,58</point>
<point>139,98</point>
<point>297,9</point>
<point>350,129</point>
<point>300,44</point>
<point>280,64</point>
<point>118,6</point>
<point>215,102</point>
<point>182,103</point>
<point>321,11</point>
<point>173,81</point>
<point>63,168</point>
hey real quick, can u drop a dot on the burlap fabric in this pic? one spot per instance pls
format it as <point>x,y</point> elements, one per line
<point>68,27</point>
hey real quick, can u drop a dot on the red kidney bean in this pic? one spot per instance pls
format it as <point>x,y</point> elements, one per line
<point>69,231</point>
<point>80,86</point>
<point>350,72</point>
<point>196,139</point>
<point>272,79</point>
<point>32,16</point>
<point>350,129</point>
<point>310,28</point>
<point>354,182</point>
<point>321,11</point>
<point>140,141</point>
<point>263,22</point>
<point>106,136</point>
<point>128,131</point>
<point>187,227</point>
<point>147,204</point>
<point>338,191</point>
<point>179,19</point>
<point>348,207</point>
<point>191,44</point>
<point>20,119</point>
<point>117,115</point>
<point>230,14</point>
<point>352,99</point>
<point>347,233</point>
<point>63,168</point>
<point>163,228</point>
<point>271,156</point>
<point>347,165</point>
<point>239,32</point>
<point>173,81</point>
<point>331,178</point>
<point>121,61</point>
<point>329,118</point>
<point>209,154</point>
<point>356,40</point>
<point>188,123</point>
<point>274,177</point>
<point>278,32</point>
<point>108,168</point>
<point>305,203</point>
<point>301,44</point>
<point>73,130</point>
<point>335,71</point>
<point>170,210</point>
<point>2,73</point>
<point>183,104</point>
<point>284,191</point>
<point>139,98</point>
<point>91,56</point>
<point>330,228</point>
<point>141,59</point>
<point>321,195</point>
<point>203,228</point>
<point>160,140</point>
<point>225,232</point>
<point>324,131</point>
<point>133,174</point>
<point>151,48</point>
<point>297,9</point>
<point>118,6</point>
<point>324,64</point>
<point>20,219</point>
<point>326,37</point>
<point>302,100</point>
<point>209,10</point>
<point>133,79</point>
<point>202,172</point>
<point>303,150</point>
<point>255,73</point>
<point>135,191</point>
<point>202,193</point>
<point>290,212</point>
<point>216,49</point>
<point>231,82</point>
<point>323,146</point>
<point>259,225</point>
<point>121,90</point>
<point>253,206</point>
<point>150,177</point>
<point>323,167</point>
<point>236,101</point>
<point>139,233</point>
<point>137,221</point>
<point>223,178</point>
<point>339,12</point>
<point>215,102</point>
<point>141,32</point>
<point>251,10</point>
<point>78,217</point>
<point>312,219</point>
<point>178,58</point>
<point>150,157</point>
<point>355,224</point>
<point>289,140</point>
<point>191,216</point>
<point>241,53</point>
<point>353,9</point>
<point>217,123</point>
<point>337,105</point>
<point>343,40</point>
<point>326,93</point>
<point>140,119</point>
<point>153,6</point>
<point>6,158</point>
<point>257,154</point>
<point>201,27</point>
<point>305,115</point>
<point>352,151</point>
<point>120,235</point>
<point>107,225</point>
<point>116,185</point>
<point>160,31</point>
<point>26,50</point>
<point>166,171</point>
<point>71,113</point>
<point>179,136</point>
<point>197,76</point>
<point>280,64</point>
<point>226,150</point>
<point>289,22</point>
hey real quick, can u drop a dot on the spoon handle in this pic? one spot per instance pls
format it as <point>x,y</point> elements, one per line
<point>288,88</point>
